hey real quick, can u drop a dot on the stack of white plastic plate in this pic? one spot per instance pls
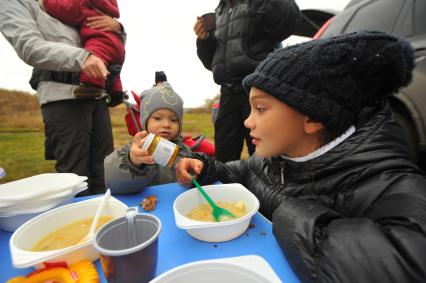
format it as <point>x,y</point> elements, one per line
<point>23,199</point>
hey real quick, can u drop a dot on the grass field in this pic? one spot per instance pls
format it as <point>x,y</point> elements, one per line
<point>22,136</point>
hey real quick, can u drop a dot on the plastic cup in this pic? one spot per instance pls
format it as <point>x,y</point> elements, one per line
<point>209,21</point>
<point>122,261</point>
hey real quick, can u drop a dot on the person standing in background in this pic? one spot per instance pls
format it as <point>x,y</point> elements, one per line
<point>105,44</point>
<point>231,46</point>
<point>78,131</point>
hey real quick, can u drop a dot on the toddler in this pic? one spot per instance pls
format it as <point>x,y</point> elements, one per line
<point>130,168</point>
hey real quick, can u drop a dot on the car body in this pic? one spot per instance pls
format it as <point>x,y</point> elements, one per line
<point>405,18</point>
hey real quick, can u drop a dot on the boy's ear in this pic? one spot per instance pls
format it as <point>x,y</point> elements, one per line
<point>311,126</point>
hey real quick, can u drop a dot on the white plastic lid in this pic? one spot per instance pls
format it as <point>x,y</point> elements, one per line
<point>34,205</point>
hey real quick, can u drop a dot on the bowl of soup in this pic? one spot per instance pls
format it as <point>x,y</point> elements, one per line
<point>193,214</point>
<point>55,236</point>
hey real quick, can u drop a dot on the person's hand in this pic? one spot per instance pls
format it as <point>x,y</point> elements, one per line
<point>95,68</point>
<point>104,23</point>
<point>199,29</point>
<point>138,155</point>
<point>186,166</point>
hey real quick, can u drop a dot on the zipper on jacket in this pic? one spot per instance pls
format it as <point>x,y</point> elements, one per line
<point>282,169</point>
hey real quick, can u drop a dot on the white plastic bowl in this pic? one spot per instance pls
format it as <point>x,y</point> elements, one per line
<point>247,269</point>
<point>51,200</point>
<point>10,221</point>
<point>215,231</point>
<point>32,231</point>
<point>38,186</point>
<point>13,217</point>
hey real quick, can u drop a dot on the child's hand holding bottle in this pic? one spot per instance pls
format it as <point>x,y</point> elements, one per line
<point>137,154</point>
<point>149,149</point>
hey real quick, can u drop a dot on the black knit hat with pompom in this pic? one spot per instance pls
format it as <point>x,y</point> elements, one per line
<point>332,79</point>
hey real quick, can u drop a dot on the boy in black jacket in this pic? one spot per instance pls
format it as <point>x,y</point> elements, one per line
<point>331,168</point>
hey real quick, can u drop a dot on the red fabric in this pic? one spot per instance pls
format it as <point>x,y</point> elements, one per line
<point>133,128</point>
<point>322,29</point>
<point>198,145</point>
<point>105,45</point>
<point>109,7</point>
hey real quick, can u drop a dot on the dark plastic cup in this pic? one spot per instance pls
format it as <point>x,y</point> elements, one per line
<point>209,21</point>
<point>125,262</point>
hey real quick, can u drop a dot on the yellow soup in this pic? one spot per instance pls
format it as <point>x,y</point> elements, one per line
<point>68,235</point>
<point>203,212</point>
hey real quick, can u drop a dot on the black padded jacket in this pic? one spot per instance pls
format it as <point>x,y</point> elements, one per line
<point>354,214</point>
<point>244,35</point>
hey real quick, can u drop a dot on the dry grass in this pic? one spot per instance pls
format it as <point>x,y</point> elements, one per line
<point>22,135</point>
<point>19,111</point>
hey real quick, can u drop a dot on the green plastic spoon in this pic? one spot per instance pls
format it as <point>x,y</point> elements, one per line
<point>218,211</point>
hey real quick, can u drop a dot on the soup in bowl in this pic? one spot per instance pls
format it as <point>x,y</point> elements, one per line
<point>215,231</point>
<point>26,237</point>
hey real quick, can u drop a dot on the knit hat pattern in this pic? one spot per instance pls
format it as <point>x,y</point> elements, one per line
<point>159,97</point>
<point>330,80</point>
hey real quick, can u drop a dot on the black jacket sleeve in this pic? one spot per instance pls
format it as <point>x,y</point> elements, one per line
<point>213,170</point>
<point>205,51</point>
<point>386,244</point>
<point>279,18</point>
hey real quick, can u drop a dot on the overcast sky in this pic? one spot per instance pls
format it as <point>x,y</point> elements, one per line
<point>160,36</point>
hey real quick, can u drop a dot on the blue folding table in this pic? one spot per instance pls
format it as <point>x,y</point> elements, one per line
<point>176,247</point>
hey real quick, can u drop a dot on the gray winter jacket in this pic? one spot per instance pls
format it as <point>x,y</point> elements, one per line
<point>44,43</point>
<point>122,177</point>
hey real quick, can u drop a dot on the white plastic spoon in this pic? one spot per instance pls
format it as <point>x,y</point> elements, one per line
<point>98,214</point>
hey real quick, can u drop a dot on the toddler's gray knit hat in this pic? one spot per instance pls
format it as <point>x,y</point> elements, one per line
<point>332,79</point>
<point>158,97</point>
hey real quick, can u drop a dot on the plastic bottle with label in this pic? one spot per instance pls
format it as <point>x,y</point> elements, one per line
<point>163,151</point>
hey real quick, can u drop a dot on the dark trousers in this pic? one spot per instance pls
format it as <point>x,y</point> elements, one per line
<point>230,132</point>
<point>79,135</point>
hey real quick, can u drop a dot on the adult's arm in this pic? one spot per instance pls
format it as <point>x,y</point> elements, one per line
<point>386,244</point>
<point>19,27</point>
<point>278,18</point>
<point>205,51</point>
